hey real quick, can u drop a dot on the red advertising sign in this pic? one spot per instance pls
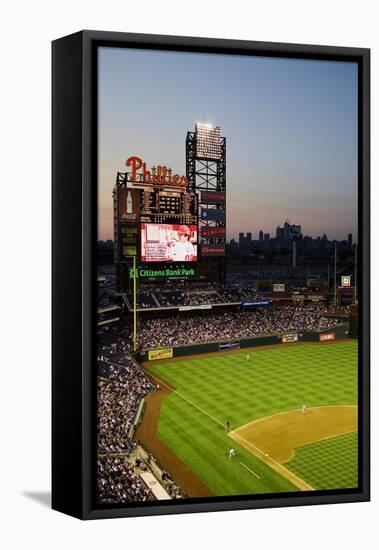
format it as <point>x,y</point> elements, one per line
<point>212,197</point>
<point>327,337</point>
<point>213,250</point>
<point>212,231</point>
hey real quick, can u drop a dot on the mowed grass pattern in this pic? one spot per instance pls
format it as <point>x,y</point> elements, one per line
<point>230,387</point>
<point>339,457</point>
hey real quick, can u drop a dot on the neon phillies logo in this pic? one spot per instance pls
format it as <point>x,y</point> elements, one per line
<point>160,175</point>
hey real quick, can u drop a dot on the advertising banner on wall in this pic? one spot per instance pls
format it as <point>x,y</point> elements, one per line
<point>166,353</point>
<point>327,337</point>
<point>200,306</point>
<point>287,338</point>
<point>228,346</point>
<point>256,303</point>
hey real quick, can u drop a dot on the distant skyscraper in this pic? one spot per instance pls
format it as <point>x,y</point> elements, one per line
<point>241,237</point>
<point>350,239</point>
<point>248,236</point>
<point>288,232</point>
<point>261,235</point>
<point>266,236</point>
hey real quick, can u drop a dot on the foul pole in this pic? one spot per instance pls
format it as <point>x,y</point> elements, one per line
<point>335,274</point>
<point>134,305</point>
<point>355,274</point>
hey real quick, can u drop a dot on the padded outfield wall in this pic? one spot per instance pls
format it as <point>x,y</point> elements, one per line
<point>338,332</point>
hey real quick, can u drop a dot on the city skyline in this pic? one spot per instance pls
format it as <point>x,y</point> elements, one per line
<point>290,127</point>
<point>255,237</point>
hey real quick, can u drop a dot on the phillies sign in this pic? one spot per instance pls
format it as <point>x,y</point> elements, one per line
<point>156,176</point>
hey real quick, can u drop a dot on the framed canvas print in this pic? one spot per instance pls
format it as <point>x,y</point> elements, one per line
<point>210,275</point>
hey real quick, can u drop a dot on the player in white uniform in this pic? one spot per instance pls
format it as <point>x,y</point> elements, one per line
<point>248,357</point>
<point>182,250</point>
<point>303,409</point>
<point>232,453</point>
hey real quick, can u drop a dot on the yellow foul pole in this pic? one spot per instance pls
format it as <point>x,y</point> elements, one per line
<point>135,304</point>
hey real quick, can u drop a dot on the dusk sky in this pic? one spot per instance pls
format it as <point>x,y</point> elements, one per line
<point>290,127</point>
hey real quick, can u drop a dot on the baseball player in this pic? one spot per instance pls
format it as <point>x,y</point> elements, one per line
<point>182,250</point>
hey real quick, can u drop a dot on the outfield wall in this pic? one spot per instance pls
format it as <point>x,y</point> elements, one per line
<point>338,332</point>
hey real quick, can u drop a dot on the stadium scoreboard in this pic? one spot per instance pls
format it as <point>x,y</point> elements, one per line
<point>161,218</point>
<point>166,206</point>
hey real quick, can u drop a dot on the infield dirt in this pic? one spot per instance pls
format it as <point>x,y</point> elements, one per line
<point>274,438</point>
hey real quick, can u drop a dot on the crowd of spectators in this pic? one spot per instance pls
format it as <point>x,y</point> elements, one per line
<point>117,481</point>
<point>274,319</point>
<point>145,299</point>
<point>120,387</point>
<point>231,291</point>
<point>180,293</point>
<point>201,298</point>
<point>339,311</point>
<point>170,298</point>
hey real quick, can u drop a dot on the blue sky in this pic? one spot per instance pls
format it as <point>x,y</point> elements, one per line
<point>291,129</point>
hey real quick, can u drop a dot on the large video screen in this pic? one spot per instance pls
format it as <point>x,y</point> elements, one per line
<point>162,242</point>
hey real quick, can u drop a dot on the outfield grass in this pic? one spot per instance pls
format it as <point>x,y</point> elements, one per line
<point>229,387</point>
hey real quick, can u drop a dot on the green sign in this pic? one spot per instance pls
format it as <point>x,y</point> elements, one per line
<point>167,272</point>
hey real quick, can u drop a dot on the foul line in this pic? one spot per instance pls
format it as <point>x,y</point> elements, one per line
<point>265,458</point>
<point>244,465</point>
<point>207,414</point>
<point>186,399</point>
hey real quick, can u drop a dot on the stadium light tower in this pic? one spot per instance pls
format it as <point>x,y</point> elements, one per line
<point>206,175</point>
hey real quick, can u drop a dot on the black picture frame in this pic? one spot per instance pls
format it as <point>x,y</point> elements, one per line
<point>74,208</point>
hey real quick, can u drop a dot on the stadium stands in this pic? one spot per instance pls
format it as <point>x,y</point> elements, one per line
<point>276,319</point>
<point>121,385</point>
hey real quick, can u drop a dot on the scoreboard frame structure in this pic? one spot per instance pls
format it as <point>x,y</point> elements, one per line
<point>74,209</point>
<point>206,173</point>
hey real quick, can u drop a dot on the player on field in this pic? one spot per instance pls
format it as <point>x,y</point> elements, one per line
<point>303,409</point>
<point>227,426</point>
<point>232,453</point>
<point>248,357</point>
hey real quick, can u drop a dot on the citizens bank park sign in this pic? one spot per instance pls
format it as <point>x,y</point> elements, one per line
<point>165,272</point>
<point>157,176</point>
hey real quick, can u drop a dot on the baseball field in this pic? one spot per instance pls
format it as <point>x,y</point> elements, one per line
<point>279,446</point>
